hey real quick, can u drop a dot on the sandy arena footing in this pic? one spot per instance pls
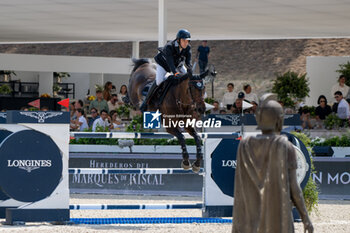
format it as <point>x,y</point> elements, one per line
<point>333,216</point>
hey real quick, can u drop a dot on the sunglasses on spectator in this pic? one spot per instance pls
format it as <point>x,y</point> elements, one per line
<point>322,101</point>
<point>93,112</point>
<point>337,96</point>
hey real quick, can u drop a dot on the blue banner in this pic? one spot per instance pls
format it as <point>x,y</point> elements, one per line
<point>39,117</point>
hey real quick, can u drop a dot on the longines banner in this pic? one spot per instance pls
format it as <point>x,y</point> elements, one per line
<point>332,176</point>
<point>189,184</point>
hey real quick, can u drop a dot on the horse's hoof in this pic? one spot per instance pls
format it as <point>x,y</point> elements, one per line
<point>195,169</point>
<point>186,165</point>
<point>196,166</point>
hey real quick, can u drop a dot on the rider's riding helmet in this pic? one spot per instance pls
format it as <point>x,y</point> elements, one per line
<point>183,34</point>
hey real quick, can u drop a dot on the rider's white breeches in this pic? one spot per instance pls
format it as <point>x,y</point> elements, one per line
<point>162,74</point>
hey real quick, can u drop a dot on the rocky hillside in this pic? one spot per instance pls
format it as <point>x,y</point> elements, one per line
<point>237,61</point>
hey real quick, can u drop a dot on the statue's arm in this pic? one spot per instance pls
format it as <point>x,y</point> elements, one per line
<point>297,196</point>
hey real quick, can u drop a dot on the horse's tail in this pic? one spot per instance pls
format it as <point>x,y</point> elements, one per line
<point>139,62</point>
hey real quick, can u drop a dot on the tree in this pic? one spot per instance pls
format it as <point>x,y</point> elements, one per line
<point>290,88</point>
<point>345,70</point>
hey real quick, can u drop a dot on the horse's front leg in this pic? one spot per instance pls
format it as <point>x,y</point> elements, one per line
<point>185,164</point>
<point>196,166</point>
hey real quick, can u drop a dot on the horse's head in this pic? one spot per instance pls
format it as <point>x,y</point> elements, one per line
<point>197,90</point>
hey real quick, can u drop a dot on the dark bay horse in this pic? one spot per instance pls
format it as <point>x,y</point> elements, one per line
<point>182,101</point>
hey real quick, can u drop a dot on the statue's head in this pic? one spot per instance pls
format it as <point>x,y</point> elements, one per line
<point>269,115</point>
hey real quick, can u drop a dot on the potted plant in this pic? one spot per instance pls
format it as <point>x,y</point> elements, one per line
<point>5,90</point>
<point>291,88</point>
<point>124,112</point>
<point>60,75</point>
<point>56,88</point>
<point>7,74</point>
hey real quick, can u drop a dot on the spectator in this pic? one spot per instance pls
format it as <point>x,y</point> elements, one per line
<point>122,93</point>
<point>115,120</point>
<point>343,111</point>
<point>249,95</point>
<point>94,116</point>
<point>322,110</point>
<point>223,111</point>
<point>341,86</point>
<point>114,90</point>
<point>25,108</point>
<point>305,118</point>
<point>80,123</point>
<point>102,121</point>
<point>78,104</point>
<point>44,108</point>
<point>99,103</point>
<point>113,103</point>
<point>216,109</point>
<point>229,97</point>
<point>255,106</point>
<point>202,56</point>
<point>107,91</point>
<point>237,106</point>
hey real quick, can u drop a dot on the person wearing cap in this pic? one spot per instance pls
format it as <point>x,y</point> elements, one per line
<point>203,55</point>
<point>237,107</point>
<point>172,58</point>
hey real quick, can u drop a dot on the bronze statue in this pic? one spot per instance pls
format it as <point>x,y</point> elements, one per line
<point>266,184</point>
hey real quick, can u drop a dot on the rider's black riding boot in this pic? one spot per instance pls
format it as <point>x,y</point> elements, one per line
<point>143,107</point>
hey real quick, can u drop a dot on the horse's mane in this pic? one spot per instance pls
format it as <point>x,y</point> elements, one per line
<point>139,62</point>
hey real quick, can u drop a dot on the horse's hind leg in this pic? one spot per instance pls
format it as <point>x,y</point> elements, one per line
<point>185,164</point>
<point>196,166</point>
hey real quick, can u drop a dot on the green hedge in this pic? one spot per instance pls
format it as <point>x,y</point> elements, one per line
<point>311,189</point>
<point>134,126</point>
<point>343,141</point>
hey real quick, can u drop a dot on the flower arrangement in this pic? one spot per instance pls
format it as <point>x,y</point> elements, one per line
<point>90,97</point>
<point>45,95</point>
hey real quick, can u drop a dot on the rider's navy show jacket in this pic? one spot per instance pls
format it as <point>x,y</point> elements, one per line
<point>170,57</point>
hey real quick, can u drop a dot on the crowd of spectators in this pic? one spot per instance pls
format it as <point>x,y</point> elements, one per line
<point>340,107</point>
<point>245,101</point>
<point>100,112</point>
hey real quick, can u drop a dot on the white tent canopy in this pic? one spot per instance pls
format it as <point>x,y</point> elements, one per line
<point>137,20</point>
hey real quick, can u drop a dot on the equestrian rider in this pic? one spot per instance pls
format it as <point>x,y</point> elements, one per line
<point>171,58</point>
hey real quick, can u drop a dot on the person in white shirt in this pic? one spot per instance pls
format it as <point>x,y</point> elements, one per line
<point>249,95</point>
<point>343,111</point>
<point>80,123</point>
<point>113,103</point>
<point>229,97</point>
<point>341,86</point>
<point>102,121</point>
<point>122,93</point>
<point>115,120</point>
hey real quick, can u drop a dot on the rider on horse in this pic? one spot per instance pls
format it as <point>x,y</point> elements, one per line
<point>171,58</point>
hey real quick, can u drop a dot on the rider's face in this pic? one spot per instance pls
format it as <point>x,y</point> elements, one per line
<point>184,43</point>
